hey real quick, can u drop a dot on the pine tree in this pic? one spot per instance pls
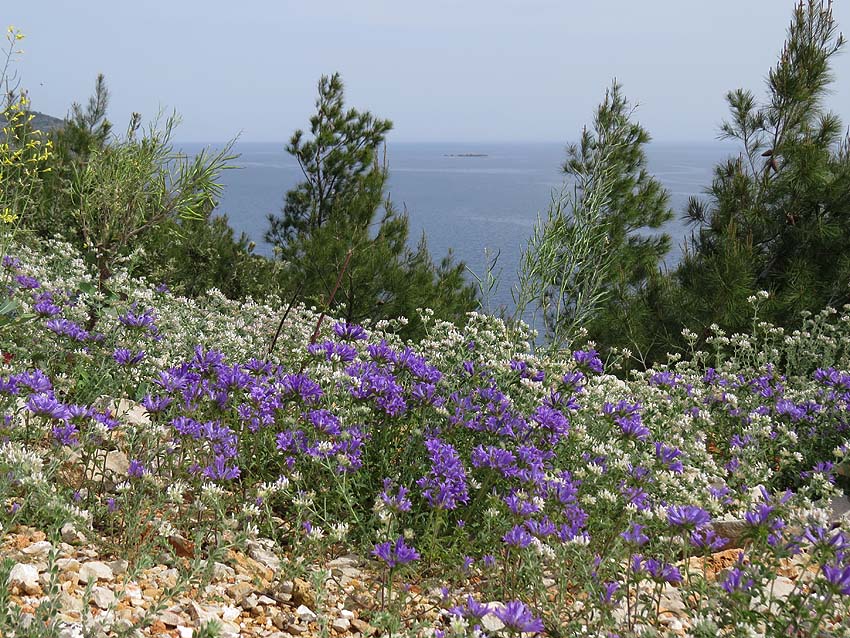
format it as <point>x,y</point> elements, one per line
<point>598,248</point>
<point>338,225</point>
<point>777,216</point>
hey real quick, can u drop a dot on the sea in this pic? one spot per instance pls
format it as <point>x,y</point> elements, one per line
<point>480,201</point>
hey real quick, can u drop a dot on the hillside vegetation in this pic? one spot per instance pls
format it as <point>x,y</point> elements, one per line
<point>198,441</point>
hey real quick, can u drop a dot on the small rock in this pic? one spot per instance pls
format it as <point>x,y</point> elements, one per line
<point>70,534</point>
<point>839,509</point>
<point>95,570</point>
<point>265,600</point>
<point>302,594</point>
<point>263,555</point>
<point>38,550</point>
<point>185,632</point>
<point>67,602</point>
<point>230,630</point>
<point>248,602</point>
<point>732,530</point>
<point>25,578</point>
<point>102,597</point>
<point>117,463</point>
<point>200,614</point>
<point>230,613</point>
<point>286,587</point>
<point>71,565</point>
<point>240,590</point>
<point>295,630</point>
<point>491,622</point>
<point>349,560</point>
<point>341,625</point>
<point>119,567</point>
<point>170,619</point>
<point>222,571</point>
<point>362,626</point>
<point>781,587</point>
<point>280,621</point>
<point>305,613</point>
<point>71,630</point>
<point>344,613</point>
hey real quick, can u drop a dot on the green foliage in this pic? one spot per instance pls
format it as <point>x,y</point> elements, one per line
<point>776,216</point>
<point>192,256</point>
<point>590,253</point>
<point>338,164</point>
<point>343,242</point>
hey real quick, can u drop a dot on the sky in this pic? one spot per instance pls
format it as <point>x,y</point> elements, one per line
<point>441,70</point>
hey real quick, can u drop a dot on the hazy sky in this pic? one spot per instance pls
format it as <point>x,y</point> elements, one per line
<point>441,70</point>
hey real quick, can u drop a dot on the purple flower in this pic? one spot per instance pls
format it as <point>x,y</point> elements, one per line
<point>220,471</point>
<point>67,328</point>
<point>45,306</point>
<point>660,572</point>
<point>444,487</point>
<point>589,360</point>
<point>669,456</point>
<point>140,321</point>
<point>11,263</point>
<point>66,434</point>
<point>349,331</point>
<point>125,357</point>
<point>737,580</point>
<point>473,610</point>
<point>397,502</point>
<point>518,536</point>
<point>136,469</point>
<point>607,596</point>
<point>839,577</point>
<point>394,554</point>
<point>635,535</point>
<point>47,406</point>
<point>707,539</point>
<point>687,516</point>
<point>628,417</point>
<point>517,617</point>
<point>27,283</point>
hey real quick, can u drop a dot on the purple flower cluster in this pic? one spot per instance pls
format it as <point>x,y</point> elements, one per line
<point>395,554</point>
<point>444,487</point>
<point>628,417</point>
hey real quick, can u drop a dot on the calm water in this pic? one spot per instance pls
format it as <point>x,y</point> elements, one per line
<point>466,204</point>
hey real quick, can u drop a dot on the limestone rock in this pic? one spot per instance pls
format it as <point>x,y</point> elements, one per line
<point>95,570</point>
<point>38,550</point>
<point>302,594</point>
<point>263,555</point>
<point>102,597</point>
<point>25,578</point>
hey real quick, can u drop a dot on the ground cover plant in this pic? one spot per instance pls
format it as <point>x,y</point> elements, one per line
<point>524,494</point>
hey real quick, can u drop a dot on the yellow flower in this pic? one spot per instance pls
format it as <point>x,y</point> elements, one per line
<point>7,216</point>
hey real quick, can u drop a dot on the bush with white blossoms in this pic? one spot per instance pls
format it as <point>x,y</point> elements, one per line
<point>590,504</point>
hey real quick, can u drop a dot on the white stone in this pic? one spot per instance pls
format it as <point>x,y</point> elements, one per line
<point>185,632</point>
<point>24,577</point>
<point>38,550</point>
<point>305,613</point>
<point>230,613</point>
<point>263,555</point>
<point>102,597</point>
<point>341,624</point>
<point>95,570</point>
<point>491,622</point>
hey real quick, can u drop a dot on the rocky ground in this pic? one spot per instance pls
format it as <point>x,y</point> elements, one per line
<point>247,592</point>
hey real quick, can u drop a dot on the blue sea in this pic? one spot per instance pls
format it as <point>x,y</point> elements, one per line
<point>476,206</point>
